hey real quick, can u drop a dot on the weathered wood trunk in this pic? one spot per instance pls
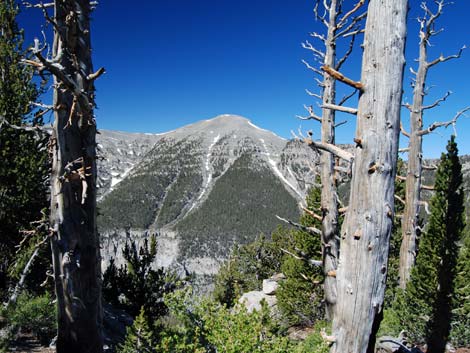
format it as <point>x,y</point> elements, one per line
<point>414,169</point>
<point>329,202</point>
<point>75,247</point>
<point>365,234</point>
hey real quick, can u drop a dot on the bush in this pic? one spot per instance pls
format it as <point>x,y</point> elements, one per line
<point>34,315</point>
<point>315,342</point>
<point>246,268</point>
<point>209,327</point>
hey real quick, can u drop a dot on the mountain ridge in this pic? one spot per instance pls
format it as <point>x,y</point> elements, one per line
<point>150,183</point>
<point>180,186</point>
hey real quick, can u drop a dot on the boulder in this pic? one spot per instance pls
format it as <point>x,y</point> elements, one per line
<point>270,286</point>
<point>252,300</point>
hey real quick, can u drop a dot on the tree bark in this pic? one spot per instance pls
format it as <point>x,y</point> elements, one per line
<point>329,202</point>
<point>413,173</point>
<point>75,244</point>
<point>365,234</point>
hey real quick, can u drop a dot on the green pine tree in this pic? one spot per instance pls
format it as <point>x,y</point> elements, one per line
<point>23,155</point>
<point>460,331</point>
<point>424,309</point>
<point>395,240</point>
<point>300,296</point>
<point>136,284</point>
<point>139,337</point>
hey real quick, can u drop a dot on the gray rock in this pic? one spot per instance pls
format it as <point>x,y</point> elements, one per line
<point>252,300</point>
<point>270,286</point>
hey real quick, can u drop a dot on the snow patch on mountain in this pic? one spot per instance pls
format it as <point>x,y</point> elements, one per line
<point>208,171</point>
<point>257,127</point>
<point>276,170</point>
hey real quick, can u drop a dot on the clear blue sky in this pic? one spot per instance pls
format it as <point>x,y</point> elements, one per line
<point>173,62</point>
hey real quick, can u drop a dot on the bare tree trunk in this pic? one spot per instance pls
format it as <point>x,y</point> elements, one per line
<point>413,173</point>
<point>415,153</point>
<point>365,235</point>
<point>20,285</point>
<point>347,25</point>
<point>75,246</point>
<point>329,202</point>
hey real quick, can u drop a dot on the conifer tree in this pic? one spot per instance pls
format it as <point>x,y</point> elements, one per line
<point>23,167</point>
<point>395,239</point>
<point>136,284</point>
<point>425,308</point>
<point>139,337</point>
<point>460,330</point>
<point>300,296</point>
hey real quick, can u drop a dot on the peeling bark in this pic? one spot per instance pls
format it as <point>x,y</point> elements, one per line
<point>365,234</point>
<point>75,245</point>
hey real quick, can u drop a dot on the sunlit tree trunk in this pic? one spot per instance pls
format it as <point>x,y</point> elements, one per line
<point>415,166</point>
<point>365,234</point>
<point>329,202</point>
<point>337,26</point>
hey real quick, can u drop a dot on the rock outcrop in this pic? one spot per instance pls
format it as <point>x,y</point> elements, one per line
<point>253,300</point>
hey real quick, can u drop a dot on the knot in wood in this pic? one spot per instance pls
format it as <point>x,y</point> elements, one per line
<point>372,168</point>
<point>385,168</point>
<point>357,234</point>
<point>383,270</point>
<point>358,142</point>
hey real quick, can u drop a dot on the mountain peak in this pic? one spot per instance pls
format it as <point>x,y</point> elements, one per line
<point>232,122</point>
<point>229,121</point>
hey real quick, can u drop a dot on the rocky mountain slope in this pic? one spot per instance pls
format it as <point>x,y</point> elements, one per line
<point>201,189</point>
<point>204,188</point>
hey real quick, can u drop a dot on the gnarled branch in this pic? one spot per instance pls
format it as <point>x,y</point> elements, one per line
<point>340,77</point>
<point>311,213</point>
<point>337,151</point>
<point>442,58</point>
<point>435,125</point>
<point>437,102</point>
<point>311,230</point>
<point>312,262</point>
<point>340,108</point>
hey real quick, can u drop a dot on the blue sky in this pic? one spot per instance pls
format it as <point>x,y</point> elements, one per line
<point>173,62</point>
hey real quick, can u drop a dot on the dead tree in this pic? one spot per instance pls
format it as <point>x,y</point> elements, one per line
<point>366,230</point>
<point>336,26</point>
<point>410,221</point>
<point>74,238</point>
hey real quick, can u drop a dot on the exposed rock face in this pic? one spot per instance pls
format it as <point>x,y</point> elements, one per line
<point>202,189</point>
<point>119,152</point>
